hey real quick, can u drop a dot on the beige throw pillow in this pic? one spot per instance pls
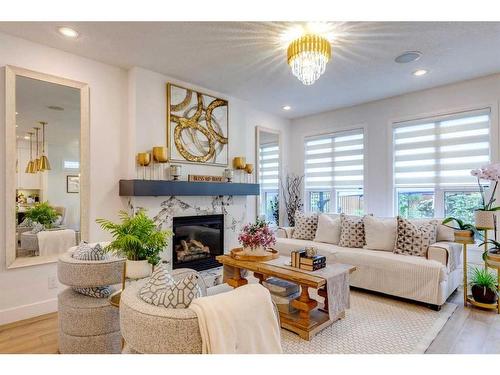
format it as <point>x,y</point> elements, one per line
<point>380,233</point>
<point>305,226</point>
<point>328,229</point>
<point>352,231</point>
<point>415,239</point>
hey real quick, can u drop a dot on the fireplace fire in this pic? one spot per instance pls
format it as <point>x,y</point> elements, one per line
<point>197,241</point>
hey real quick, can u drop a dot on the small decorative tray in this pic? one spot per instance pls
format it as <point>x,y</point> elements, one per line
<point>240,254</point>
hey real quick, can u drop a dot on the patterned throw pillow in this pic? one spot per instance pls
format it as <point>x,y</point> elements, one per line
<point>37,228</point>
<point>305,226</point>
<point>162,290</point>
<point>352,231</point>
<point>86,252</point>
<point>415,239</point>
<point>96,291</point>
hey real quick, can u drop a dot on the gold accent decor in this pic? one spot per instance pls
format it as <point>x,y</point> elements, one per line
<point>239,162</point>
<point>160,154</point>
<point>44,164</point>
<point>36,161</point>
<point>143,159</point>
<point>197,126</point>
<point>468,298</point>
<point>30,167</point>
<point>249,168</point>
<point>308,56</point>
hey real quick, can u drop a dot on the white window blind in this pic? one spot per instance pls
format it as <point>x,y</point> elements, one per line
<point>334,161</point>
<point>441,151</point>
<point>269,155</point>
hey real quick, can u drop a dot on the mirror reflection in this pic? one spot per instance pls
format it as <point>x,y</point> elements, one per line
<point>47,168</point>
<point>268,154</point>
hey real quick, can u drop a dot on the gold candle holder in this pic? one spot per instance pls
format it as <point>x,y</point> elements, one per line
<point>249,170</point>
<point>160,155</point>
<point>239,162</point>
<point>143,159</point>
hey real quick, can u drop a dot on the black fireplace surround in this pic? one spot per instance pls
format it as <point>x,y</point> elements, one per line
<point>197,241</point>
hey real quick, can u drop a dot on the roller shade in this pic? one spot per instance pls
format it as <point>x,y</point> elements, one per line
<point>269,164</point>
<point>334,160</point>
<point>441,151</point>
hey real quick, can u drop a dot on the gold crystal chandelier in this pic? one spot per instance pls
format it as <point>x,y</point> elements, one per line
<point>308,56</point>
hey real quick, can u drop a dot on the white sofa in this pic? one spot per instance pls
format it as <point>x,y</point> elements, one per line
<point>430,279</point>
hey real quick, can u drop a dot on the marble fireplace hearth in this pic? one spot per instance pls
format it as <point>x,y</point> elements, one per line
<point>164,209</point>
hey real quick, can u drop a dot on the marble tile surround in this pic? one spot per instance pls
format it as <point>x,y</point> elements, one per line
<point>164,209</point>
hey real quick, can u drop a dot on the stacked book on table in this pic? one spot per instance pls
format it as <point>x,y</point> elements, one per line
<point>300,260</point>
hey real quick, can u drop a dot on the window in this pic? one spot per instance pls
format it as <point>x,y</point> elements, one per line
<point>68,164</point>
<point>334,172</point>
<point>269,166</point>
<point>432,162</point>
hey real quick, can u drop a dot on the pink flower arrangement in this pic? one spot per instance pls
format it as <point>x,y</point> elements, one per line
<point>256,235</point>
<point>491,173</point>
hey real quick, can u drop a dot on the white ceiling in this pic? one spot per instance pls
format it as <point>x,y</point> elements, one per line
<point>248,60</point>
<point>33,97</point>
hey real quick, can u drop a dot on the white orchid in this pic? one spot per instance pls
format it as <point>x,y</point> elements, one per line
<point>490,172</point>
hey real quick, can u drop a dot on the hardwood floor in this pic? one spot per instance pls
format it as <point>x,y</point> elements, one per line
<point>36,336</point>
<point>470,331</point>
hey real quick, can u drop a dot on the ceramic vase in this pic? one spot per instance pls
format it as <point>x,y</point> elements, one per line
<point>138,269</point>
<point>484,219</point>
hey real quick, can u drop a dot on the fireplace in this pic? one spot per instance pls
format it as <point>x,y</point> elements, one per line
<point>197,241</point>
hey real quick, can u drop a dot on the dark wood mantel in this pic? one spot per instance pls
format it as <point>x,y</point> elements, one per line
<point>157,188</point>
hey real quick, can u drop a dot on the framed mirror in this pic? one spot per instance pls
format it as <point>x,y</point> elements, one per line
<point>268,173</point>
<point>47,173</point>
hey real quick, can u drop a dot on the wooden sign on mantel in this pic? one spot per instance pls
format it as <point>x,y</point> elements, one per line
<point>202,178</point>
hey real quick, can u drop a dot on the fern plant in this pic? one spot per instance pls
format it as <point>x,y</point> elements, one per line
<point>483,278</point>
<point>42,213</point>
<point>136,237</point>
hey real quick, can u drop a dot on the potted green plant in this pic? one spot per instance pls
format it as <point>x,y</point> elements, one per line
<point>42,213</point>
<point>462,231</point>
<point>483,285</point>
<point>492,254</point>
<point>138,239</point>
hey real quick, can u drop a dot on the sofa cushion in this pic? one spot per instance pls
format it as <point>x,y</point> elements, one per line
<point>328,229</point>
<point>380,233</point>
<point>352,231</point>
<point>414,239</point>
<point>305,226</point>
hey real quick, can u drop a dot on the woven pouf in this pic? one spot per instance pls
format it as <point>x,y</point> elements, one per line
<point>88,324</point>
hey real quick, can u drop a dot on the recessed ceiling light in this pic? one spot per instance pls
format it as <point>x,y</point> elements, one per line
<point>408,56</point>
<point>419,72</point>
<point>68,32</point>
<point>17,113</point>
<point>287,108</point>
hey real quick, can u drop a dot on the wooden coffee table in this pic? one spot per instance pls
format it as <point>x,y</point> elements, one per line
<point>310,319</point>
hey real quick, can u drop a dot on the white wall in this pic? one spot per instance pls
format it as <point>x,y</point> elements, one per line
<point>376,118</point>
<point>127,115</point>
<point>147,114</point>
<point>24,291</point>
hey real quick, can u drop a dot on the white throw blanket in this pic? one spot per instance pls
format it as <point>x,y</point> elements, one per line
<point>241,321</point>
<point>53,242</point>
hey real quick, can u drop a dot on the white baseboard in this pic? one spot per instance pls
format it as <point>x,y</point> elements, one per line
<point>28,311</point>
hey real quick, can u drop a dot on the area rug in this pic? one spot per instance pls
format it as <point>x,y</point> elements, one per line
<point>375,324</point>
